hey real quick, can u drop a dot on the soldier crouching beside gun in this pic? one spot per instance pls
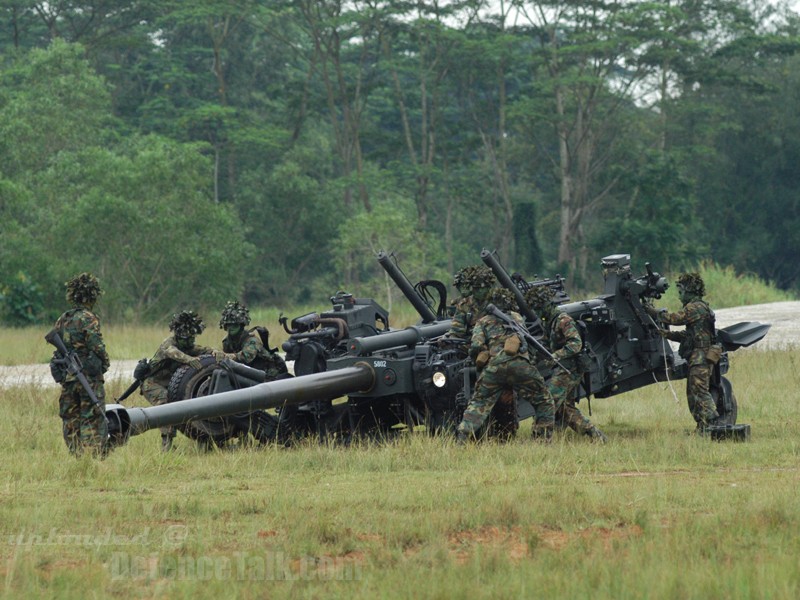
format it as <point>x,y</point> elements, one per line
<point>509,366</point>
<point>178,349</point>
<point>249,346</point>
<point>563,339</point>
<point>698,345</point>
<point>78,365</point>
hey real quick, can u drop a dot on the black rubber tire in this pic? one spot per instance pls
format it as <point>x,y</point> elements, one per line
<point>188,382</point>
<point>719,393</point>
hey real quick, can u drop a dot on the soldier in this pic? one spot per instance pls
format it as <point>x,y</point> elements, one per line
<point>84,422</point>
<point>247,346</point>
<point>563,339</point>
<point>508,366</point>
<point>177,350</point>
<point>473,284</point>
<point>698,345</point>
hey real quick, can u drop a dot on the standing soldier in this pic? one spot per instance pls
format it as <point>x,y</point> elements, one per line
<point>564,341</point>
<point>698,345</point>
<point>178,349</point>
<point>507,365</point>
<point>248,346</point>
<point>83,419</point>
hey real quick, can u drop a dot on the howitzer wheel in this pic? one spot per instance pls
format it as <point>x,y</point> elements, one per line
<point>723,396</point>
<point>188,382</point>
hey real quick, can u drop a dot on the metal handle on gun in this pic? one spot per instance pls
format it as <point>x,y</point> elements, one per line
<point>491,308</point>
<point>73,365</point>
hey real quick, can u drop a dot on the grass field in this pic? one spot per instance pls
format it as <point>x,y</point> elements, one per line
<point>656,513</point>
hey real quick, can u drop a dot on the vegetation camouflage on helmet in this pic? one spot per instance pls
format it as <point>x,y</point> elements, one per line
<point>502,299</point>
<point>540,297</point>
<point>234,313</point>
<point>692,283</point>
<point>83,289</point>
<point>474,277</point>
<point>186,323</point>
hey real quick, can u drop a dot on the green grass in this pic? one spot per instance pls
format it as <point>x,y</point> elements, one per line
<point>656,513</point>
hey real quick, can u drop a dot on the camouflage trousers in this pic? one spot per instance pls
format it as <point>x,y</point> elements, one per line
<point>83,424</point>
<point>701,404</point>
<point>517,375</point>
<point>563,385</point>
<point>156,394</point>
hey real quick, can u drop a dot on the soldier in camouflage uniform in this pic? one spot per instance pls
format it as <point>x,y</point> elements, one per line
<point>246,346</point>
<point>563,339</point>
<point>698,345</point>
<point>177,350</point>
<point>473,284</point>
<point>84,424</point>
<point>508,366</point>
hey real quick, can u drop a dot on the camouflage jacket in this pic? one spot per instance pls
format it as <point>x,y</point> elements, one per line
<point>80,330</point>
<point>468,311</point>
<point>250,351</point>
<point>490,333</point>
<point>562,337</point>
<point>699,334</point>
<point>169,357</point>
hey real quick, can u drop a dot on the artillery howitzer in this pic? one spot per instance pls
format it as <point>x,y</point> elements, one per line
<point>354,375</point>
<point>622,340</point>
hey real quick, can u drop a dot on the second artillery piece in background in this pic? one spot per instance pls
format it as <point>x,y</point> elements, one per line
<point>394,380</point>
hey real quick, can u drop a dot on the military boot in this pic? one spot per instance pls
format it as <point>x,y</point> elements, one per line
<point>166,443</point>
<point>596,435</point>
<point>542,434</point>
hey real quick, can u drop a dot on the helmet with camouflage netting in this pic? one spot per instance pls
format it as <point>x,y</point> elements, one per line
<point>234,313</point>
<point>472,278</point>
<point>540,298</point>
<point>692,283</point>
<point>186,323</point>
<point>502,299</point>
<point>83,290</point>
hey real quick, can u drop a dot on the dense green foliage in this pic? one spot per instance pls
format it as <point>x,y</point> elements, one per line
<point>190,152</point>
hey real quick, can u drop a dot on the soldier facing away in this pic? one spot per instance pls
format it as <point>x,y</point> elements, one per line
<point>508,366</point>
<point>564,340</point>
<point>177,350</point>
<point>83,421</point>
<point>246,346</point>
<point>698,344</point>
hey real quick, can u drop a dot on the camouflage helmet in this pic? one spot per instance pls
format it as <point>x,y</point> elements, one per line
<point>473,278</point>
<point>540,297</point>
<point>234,314</point>
<point>83,289</point>
<point>502,299</point>
<point>692,283</point>
<point>186,323</point>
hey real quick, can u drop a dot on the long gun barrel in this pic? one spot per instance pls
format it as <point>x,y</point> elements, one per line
<point>491,261</point>
<point>73,365</point>
<point>425,311</point>
<point>125,422</point>
<point>403,337</point>
<point>492,309</point>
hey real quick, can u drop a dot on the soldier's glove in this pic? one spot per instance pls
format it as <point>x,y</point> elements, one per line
<point>141,370</point>
<point>195,363</point>
<point>482,359</point>
<point>219,355</point>
<point>545,364</point>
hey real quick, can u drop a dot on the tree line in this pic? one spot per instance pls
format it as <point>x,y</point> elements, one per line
<point>189,152</point>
